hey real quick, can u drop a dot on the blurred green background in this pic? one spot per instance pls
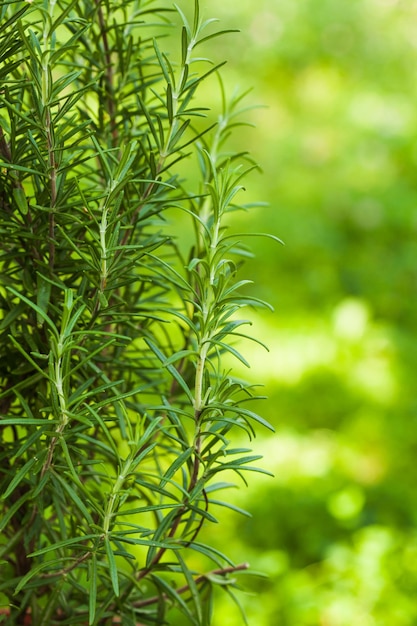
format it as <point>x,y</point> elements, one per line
<point>335,530</point>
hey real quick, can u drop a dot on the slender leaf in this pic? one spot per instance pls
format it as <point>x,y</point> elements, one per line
<point>112,567</point>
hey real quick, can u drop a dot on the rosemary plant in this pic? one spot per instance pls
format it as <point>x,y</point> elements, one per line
<point>116,406</point>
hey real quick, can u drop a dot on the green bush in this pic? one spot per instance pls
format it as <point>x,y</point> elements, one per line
<point>116,404</point>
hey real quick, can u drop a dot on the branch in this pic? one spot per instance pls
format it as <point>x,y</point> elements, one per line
<point>67,570</point>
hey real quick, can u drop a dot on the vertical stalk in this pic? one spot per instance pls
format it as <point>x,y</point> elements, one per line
<point>63,420</point>
<point>48,125</point>
<point>198,409</point>
<point>199,376</point>
<point>52,167</point>
<point>103,249</point>
<point>60,356</point>
<point>124,472</point>
<point>108,74</point>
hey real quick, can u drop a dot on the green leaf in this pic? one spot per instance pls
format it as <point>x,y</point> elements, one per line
<point>162,62</point>
<point>212,553</point>
<point>228,348</point>
<point>172,594</point>
<point>21,474</point>
<point>184,45</point>
<point>179,356</point>
<point>20,199</point>
<point>217,34</point>
<point>92,590</point>
<point>16,310</point>
<point>79,542</point>
<point>29,358</point>
<point>37,569</point>
<point>79,504</point>
<point>238,604</point>
<point>244,413</point>
<point>176,465</point>
<point>12,510</point>
<point>171,369</point>
<point>230,506</point>
<point>192,586</point>
<point>170,104</point>
<point>207,604</point>
<point>42,297</point>
<point>267,235</point>
<point>25,421</point>
<point>177,136</point>
<point>185,21</point>
<point>112,567</point>
<point>35,307</point>
<point>196,23</point>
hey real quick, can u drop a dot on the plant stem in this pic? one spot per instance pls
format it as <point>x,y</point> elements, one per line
<point>66,570</point>
<point>49,130</point>
<point>114,496</point>
<point>58,382</point>
<point>109,74</point>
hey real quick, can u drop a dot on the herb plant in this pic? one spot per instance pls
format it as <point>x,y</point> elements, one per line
<point>117,402</point>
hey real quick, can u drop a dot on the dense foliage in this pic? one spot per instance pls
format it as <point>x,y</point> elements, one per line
<point>120,305</point>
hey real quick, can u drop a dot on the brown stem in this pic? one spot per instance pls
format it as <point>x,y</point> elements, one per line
<point>47,464</point>
<point>4,147</point>
<point>51,239</point>
<point>67,570</point>
<point>51,449</point>
<point>201,522</point>
<point>196,465</point>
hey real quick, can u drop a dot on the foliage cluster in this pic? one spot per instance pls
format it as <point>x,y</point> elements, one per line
<point>116,405</point>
